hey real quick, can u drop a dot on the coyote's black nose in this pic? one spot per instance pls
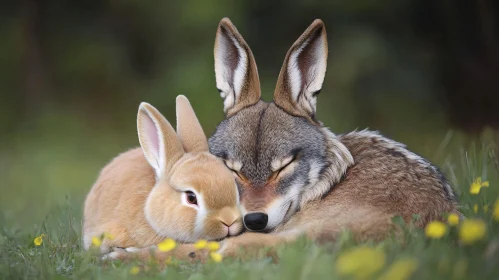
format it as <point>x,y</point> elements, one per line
<point>256,221</point>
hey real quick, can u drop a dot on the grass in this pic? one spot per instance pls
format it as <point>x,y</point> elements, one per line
<point>27,213</point>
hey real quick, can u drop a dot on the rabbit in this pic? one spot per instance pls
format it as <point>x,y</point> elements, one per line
<point>171,187</point>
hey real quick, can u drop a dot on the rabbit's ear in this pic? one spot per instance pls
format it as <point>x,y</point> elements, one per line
<point>158,139</point>
<point>303,71</point>
<point>189,129</point>
<point>235,69</point>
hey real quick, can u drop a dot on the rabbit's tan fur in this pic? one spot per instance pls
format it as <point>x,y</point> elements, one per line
<point>138,200</point>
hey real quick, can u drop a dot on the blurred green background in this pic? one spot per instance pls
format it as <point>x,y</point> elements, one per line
<point>72,74</point>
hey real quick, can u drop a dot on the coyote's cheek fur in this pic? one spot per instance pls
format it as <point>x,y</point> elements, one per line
<point>297,177</point>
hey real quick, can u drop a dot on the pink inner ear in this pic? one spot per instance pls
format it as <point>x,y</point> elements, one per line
<point>152,137</point>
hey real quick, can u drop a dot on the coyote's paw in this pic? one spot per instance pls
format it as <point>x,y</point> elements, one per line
<point>231,247</point>
<point>251,244</point>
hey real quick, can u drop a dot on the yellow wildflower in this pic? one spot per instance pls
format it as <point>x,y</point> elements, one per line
<point>400,270</point>
<point>477,185</point>
<point>453,219</point>
<point>167,245</point>
<point>475,208</point>
<point>360,262</point>
<point>134,270</point>
<point>108,236</point>
<point>495,212</point>
<point>213,246</point>
<point>472,230</point>
<point>216,257</point>
<point>200,244</point>
<point>39,240</point>
<point>435,229</point>
<point>96,241</point>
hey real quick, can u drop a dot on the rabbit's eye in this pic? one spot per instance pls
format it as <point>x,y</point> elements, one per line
<point>191,198</point>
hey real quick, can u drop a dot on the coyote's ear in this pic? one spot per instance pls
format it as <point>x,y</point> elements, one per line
<point>189,129</point>
<point>158,139</point>
<point>303,71</point>
<point>235,69</point>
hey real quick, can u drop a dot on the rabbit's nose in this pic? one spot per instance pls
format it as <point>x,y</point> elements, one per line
<point>233,228</point>
<point>229,222</point>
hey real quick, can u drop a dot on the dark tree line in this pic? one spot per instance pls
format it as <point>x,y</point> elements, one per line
<point>86,54</point>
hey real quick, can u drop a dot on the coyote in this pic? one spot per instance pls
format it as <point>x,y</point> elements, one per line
<point>294,176</point>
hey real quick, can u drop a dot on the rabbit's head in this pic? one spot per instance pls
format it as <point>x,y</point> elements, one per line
<point>195,195</point>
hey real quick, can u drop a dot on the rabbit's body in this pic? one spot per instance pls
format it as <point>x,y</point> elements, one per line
<point>172,187</point>
<point>116,203</point>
